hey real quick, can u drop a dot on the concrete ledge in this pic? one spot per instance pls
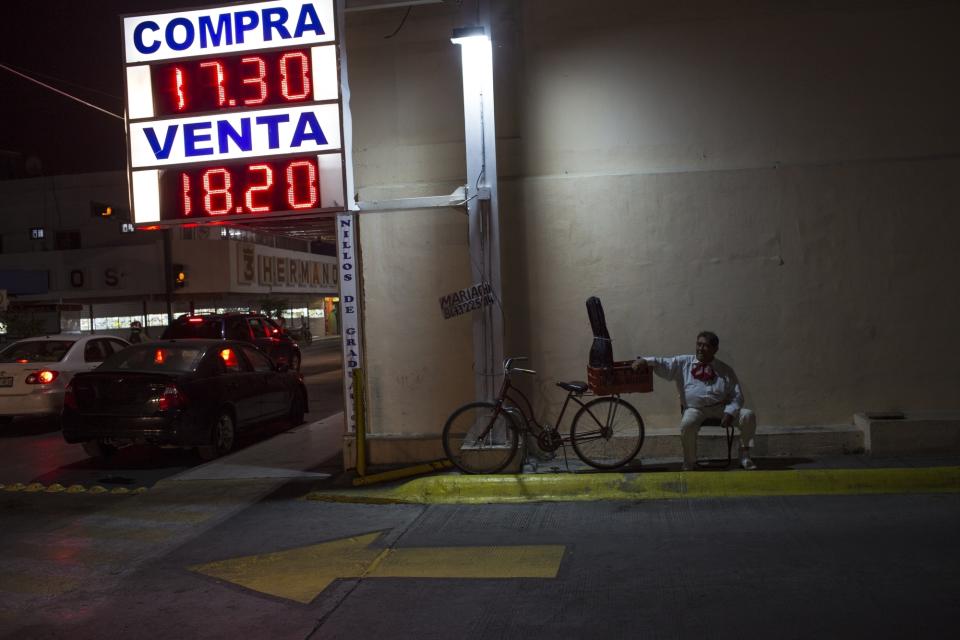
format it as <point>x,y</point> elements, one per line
<point>663,442</point>
<point>917,433</point>
<point>462,489</point>
<point>770,441</point>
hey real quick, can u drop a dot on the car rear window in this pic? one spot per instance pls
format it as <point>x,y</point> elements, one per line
<point>155,358</point>
<point>36,351</point>
<point>187,329</point>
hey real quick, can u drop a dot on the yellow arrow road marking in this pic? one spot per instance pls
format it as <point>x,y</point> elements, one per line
<point>302,574</point>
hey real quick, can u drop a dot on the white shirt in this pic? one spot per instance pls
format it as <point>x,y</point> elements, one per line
<point>724,389</point>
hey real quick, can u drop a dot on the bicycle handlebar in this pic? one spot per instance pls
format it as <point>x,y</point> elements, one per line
<point>508,365</point>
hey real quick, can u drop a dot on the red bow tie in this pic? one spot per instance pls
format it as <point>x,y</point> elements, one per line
<point>703,372</point>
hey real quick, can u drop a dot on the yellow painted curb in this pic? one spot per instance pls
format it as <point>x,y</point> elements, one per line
<point>56,487</point>
<point>462,489</point>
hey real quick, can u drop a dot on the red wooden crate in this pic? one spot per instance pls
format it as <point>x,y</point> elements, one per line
<point>621,378</point>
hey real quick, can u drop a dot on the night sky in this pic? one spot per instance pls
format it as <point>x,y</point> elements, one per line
<point>76,47</point>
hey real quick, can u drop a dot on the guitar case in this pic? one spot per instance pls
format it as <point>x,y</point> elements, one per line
<point>601,351</point>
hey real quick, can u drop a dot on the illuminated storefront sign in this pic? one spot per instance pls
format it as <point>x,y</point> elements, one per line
<point>234,111</point>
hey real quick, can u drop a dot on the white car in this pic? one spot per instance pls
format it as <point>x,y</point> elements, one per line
<point>34,372</point>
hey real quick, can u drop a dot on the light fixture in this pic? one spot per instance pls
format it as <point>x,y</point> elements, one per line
<point>466,35</point>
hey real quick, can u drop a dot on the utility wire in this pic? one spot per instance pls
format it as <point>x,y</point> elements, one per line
<point>63,93</point>
<point>402,22</point>
<point>67,83</point>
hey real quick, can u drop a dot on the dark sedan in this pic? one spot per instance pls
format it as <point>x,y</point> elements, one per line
<point>188,393</point>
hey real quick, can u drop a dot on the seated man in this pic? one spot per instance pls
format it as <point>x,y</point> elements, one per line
<point>708,389</point>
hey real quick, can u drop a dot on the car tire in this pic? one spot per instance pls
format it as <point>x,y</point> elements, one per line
<point>223,436</point>
<point>295,362</point>
<point>297,406</point>
<point>99,449</point>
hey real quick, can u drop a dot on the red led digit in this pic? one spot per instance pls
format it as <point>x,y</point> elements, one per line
<point>218,77</point>
<point>304,75</point>
<point>178,88</point>
<point>187,205</point>
<point>307,185</point>
<point>261,68</point>
<point>210,192</point>
<point>264,187</point>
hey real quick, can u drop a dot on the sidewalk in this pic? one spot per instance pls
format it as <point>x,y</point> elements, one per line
<point>295,455</point>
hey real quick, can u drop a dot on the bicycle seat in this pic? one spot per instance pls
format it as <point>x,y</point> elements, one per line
<point>576,386</point>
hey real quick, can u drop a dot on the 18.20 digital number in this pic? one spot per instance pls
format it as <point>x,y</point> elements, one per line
<point>242,188</point>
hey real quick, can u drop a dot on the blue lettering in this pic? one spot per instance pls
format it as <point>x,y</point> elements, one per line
<point>214,36</point>
<point>226,133</point>
<point>275,19</point>
<point>192,135</point>
<point>308,21</point>
<point>308,129</point>
<point>171,34</point>
<point>273,124</point>
<point>161,152</point>
<point>138,42</point>
<point>245,21</point>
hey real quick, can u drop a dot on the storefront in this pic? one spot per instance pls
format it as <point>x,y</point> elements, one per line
<point>105,278</point>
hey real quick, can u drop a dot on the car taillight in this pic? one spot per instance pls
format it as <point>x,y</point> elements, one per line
<point>44,376</point>
<point>69,398</point>
<point>172,398</point>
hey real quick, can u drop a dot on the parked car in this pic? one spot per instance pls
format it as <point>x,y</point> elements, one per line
<point>187,393</point>
<point>255,328</point>
<point>34,372</point>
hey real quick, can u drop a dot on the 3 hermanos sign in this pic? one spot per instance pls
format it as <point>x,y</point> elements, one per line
<point>256,266</point>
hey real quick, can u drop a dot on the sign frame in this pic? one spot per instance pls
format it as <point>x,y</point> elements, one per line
<point>143,181</point>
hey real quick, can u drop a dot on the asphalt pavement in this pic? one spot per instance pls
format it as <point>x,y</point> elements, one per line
<point>274,541</point>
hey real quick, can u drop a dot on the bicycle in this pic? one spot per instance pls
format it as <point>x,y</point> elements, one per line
<point>483,437</point>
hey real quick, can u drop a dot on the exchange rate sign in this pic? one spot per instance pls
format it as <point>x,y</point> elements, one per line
<point>234,111</point>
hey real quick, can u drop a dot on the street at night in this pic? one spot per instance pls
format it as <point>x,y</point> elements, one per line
<point>479,319</point>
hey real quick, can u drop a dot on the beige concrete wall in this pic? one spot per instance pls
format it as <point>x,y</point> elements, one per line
<point>785,174</point>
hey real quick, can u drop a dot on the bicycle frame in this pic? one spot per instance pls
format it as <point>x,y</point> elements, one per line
<point>529,422</point>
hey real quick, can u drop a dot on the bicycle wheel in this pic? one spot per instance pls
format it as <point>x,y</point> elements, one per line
<point>478,438</point>
<point>607,432</point>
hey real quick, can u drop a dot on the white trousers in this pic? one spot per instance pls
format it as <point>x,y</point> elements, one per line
<point>745,421</point>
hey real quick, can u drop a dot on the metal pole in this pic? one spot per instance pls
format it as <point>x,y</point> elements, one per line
<point>483,214</point>
<point>167,276</point>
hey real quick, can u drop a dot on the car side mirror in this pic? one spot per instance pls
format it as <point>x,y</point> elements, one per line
<point>283,367</point>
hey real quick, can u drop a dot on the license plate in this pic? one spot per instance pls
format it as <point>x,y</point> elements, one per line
<point>6,382</point>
